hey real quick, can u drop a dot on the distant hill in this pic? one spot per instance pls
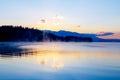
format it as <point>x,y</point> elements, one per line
<point>19,33</point>
<point>95,37</point>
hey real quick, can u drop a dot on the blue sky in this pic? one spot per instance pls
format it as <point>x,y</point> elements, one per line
<point>91,15</point>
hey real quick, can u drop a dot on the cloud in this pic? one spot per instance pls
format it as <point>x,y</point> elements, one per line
<point>43,20</point>
<point>110,35</point>
<point>104,34</point>
<point>58,17</point>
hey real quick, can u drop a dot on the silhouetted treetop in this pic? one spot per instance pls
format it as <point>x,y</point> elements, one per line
<point>19,33</point>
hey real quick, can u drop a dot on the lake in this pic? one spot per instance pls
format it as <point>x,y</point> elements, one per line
<point>59,61</point>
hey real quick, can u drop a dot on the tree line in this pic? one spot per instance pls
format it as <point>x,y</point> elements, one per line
<point>19,33</point>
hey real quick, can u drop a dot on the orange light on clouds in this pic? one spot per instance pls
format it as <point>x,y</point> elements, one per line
<point>113,36</point>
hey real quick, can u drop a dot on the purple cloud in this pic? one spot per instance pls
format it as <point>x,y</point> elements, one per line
<point>105,34</point>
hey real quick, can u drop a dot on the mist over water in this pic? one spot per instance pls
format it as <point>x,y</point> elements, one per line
<point>59,61</point>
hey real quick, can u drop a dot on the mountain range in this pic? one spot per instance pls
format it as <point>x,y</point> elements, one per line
<point>95,37</point>
<point>19,33</point>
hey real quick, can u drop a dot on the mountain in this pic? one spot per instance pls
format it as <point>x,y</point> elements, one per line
<point>95,37</point>
<point>19,33</point>
<point>63,33</point>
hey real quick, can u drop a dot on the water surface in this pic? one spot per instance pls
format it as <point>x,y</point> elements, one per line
<point>59,61</point>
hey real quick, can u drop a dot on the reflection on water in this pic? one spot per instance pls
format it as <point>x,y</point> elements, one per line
<point>41,61</point>
<point>54,58</point>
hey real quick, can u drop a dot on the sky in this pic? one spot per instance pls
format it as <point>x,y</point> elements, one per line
<point>85,16</point>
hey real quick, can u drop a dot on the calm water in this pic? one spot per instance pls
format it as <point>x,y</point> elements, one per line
<point>59,61</point>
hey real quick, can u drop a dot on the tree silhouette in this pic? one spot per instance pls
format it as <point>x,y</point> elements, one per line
<point>19,33</point>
